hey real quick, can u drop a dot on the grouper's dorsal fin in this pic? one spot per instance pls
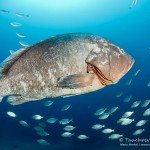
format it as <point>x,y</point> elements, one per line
<point>9,61</point>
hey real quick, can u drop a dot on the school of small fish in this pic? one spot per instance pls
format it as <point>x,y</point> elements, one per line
<point>69,130</point>
<point>134,3</point>
<point>18,25</point>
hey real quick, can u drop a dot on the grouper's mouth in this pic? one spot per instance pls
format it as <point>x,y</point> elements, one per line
<point>104,81</point>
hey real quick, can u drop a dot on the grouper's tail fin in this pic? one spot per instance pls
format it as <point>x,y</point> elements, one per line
<point>4,88</point>
<point>1,88</point>
<point>1,76</point>
<point>5,67</point>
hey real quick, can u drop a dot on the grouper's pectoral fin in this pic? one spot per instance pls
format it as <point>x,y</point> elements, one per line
<point>76,81</point>
<point>16,99</point>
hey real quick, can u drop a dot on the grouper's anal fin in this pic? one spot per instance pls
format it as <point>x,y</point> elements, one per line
<point>9,61</point>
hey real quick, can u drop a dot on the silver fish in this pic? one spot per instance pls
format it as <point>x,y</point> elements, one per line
<point>38,128</point>
<point>104,116</point>
<point>148,84</point>
<point>21,15</point>
<point>97,126</point>
<point>65,108</point>
<point>112,110</point>
<point>48,103</point>
<point>43,142</point>
<point>141,123</point>
<point>129,82</point>
<point>42,124</point>
<point>42,133</point>
<point>134,2</point>
<point>11,51</point>
<point>11,114</point>
<point>127,114</point>
<point>115,136</point>
<point>146,103</point>
<point>135,104</point>
<point>67,134</point>
<point>24,44</point>
<point>139,131</point>
<point>51,120</point>
<point>119,94</point>
<point>127,99</point>
<point>136,73</point>
<point>65,121</point>
<point>107,131</point>
<point>146,112</point>
<point>37,117</point>
<point>69,128</point>
<point>21,35</point>
<point>125,121</point>
<point>100,111</point>
<point>24,123</point>
<point>82,137</point>
<point>15,24</point>
<point>67,64</point>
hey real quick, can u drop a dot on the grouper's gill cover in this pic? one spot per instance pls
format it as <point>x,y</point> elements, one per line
<point>111,61</point>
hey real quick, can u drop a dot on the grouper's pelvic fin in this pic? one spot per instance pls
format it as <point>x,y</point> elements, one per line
<point>4,88</point>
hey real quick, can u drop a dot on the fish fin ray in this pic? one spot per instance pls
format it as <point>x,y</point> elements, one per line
<point>76,81</point>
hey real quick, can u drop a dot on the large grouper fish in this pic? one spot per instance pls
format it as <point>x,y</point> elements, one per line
<point>63,65</point>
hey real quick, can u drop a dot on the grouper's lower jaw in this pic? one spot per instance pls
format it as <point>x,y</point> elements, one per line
<point>102,78</point>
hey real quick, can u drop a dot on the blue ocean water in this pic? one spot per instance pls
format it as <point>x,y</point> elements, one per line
<point>114,20</point>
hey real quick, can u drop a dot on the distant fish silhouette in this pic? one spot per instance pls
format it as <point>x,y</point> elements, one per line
<point>4,11</point>
<point>24,44</point>
<point>134,2</point>
<point>21,35</point>
<point>22,15</point>
<point>15,24</point>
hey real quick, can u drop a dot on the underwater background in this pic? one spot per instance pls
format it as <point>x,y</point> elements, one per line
<point>121,22</point>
